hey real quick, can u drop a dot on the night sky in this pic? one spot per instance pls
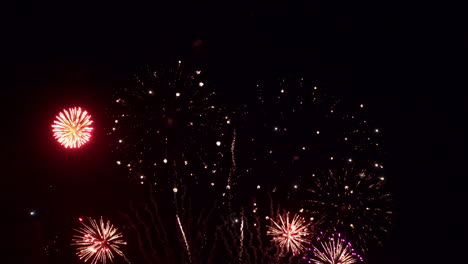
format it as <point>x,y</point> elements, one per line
<point>399,59</point>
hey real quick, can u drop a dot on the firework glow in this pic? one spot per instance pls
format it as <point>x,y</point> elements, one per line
<point>335,251</point>
<point>98,241</point>
<point>72,127</point>
<point>289,235</point>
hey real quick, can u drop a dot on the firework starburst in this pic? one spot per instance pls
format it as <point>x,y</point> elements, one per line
<point>169,116</point>
<point>98,241</point>
<point>335,250</point>
<point>352,201</point>
<point>289,234</point>
<point>72,127</point>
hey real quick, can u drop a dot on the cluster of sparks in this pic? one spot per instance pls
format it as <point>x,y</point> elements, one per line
<point>336,250</point>
<point>98,241</point>
<point>289,234</point>
<point>72,127</point>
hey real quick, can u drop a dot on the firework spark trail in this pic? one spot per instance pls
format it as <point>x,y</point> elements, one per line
<point>233,156</point>
<point>232,170</point>
<point>185,239</point>
<point>260,243</point>
<point>255,244</point>
<point>164,239</point>
<point>204,223</point>
<point>233,159</point>
<point>211,254</point>
<point>140,241</point>
<point>202,232</point>
<point>241,248</point>
<point>147,229</point>
<point>228,245</point>
<point>175,191</point>
<point>224,239</point>
<point>156,228</point>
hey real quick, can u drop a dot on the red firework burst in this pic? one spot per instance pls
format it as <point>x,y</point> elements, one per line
<point>72,127</point>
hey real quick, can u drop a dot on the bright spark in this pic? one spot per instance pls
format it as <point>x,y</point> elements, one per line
<point>72,127</point>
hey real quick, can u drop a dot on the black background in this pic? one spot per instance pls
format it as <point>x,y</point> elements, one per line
<point>400,59</point>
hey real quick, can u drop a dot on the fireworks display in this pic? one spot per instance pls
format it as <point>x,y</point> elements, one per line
<point>238,134</point>
<point>72,127</point>
<point>171,132</point>
<point>334,250</point>
<point>98,241</point>
<point>289,234</point>
<point>201,192</point>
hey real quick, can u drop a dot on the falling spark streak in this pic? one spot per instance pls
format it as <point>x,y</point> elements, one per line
<point>72,129</point>
<point>289,235</point>
<point>185,239</point>
<point>98,241</point>
<point>241,239</point>
<point>233,158</point>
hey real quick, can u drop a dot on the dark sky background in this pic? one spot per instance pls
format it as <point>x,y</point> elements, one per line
<point>400,59</point>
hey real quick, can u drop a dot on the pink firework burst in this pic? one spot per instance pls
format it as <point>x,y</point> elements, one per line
<point>335,250</point>
<point>72,127</point>
<point>289,235</point>
<point>98,241</point>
